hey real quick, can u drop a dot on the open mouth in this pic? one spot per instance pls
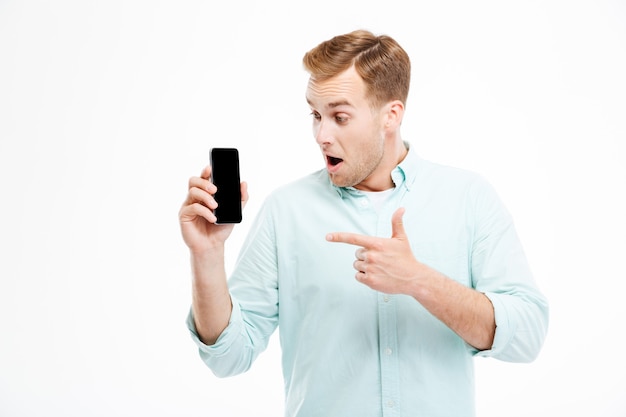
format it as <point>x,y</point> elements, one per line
<point>332,161</point>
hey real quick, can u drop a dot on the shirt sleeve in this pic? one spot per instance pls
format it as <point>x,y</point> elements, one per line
<point>500,270</point>
<point>253,289</point>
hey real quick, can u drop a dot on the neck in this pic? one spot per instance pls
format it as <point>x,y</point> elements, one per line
<point>380,180</point>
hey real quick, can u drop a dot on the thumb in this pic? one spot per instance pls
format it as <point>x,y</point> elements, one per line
<point>244,193</point>
<point>397,227</point>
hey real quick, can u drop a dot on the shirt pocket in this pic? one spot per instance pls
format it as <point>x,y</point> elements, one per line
<point>450,257</point>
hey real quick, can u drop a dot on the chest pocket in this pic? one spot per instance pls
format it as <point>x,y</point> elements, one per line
<point>450,257</point>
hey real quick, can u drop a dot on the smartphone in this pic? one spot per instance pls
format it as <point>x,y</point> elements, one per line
<point>225,176</point>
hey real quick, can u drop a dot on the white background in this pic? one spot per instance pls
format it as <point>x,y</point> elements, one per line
<point>108,107</point>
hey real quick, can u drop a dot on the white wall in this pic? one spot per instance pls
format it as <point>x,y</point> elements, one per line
<point>106,109</point>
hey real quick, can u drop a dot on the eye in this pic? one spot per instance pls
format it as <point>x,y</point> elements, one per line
<point>315,115</point>
<point>341,118</point>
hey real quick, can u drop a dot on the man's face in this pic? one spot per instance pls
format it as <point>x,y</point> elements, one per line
<point>348,130</point>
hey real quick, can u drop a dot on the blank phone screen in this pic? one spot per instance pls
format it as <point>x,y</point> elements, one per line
<point>225,176</point>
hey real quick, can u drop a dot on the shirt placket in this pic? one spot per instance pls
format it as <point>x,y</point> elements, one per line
<point>388,345</point>
<point>388,326</point>
<point>387,319</point>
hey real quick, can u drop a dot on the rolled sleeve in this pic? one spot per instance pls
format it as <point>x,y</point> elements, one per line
<point>521,327</point>
<point>504,328</point>
<point>224,341</point>
<point>500,270</point>
<point>232,353</point>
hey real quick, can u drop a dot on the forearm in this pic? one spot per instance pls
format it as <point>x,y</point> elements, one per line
<point>467,312</point>
<point>211,303</point>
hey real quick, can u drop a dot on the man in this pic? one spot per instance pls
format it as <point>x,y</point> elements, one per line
<point>441,276</point>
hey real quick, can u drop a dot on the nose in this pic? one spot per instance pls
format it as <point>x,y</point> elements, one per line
<point>323,133</point>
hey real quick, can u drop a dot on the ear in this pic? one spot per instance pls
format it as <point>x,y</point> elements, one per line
<point>394,114</point>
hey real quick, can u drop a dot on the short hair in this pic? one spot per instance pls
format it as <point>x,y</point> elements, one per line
<point>380,61</point>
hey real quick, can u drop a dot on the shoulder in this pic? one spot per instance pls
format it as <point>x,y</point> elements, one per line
<point>449,178</point>
<point>315,183</point>
<point>311,190</point>
<point>459,187</point>
<point>446,171</point>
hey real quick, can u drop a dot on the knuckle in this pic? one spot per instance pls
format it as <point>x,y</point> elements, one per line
<point>377,246</point>
<point>195,193</point>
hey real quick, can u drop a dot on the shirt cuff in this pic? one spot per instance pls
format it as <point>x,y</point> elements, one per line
<point>225,340</point>
<point>504,328</point>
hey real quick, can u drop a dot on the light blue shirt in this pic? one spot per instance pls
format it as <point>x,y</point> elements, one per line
<point>348,350</point>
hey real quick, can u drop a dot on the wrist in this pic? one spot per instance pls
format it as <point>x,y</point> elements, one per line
<point>208,251</point>
<point>422,286</point>
<point>205,262</point>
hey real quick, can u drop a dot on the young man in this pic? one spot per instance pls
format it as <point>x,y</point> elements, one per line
<point>386,273</point>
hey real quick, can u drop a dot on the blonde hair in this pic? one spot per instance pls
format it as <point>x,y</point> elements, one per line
<point>380,61</point>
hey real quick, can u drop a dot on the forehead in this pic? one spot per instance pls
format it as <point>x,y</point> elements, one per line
<point>346,88</point>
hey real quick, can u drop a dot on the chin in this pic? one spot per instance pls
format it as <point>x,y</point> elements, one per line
<point>341,181</point>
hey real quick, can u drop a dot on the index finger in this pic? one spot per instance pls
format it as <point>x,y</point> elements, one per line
<point>351,239</point>
<point>206,172</point>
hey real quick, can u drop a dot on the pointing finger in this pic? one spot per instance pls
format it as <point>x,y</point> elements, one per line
<point>351,239</point>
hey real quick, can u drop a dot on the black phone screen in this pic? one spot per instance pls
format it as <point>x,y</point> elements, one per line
<point>225,176</point>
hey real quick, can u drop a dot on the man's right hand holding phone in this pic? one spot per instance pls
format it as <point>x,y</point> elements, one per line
<point>197,221</point>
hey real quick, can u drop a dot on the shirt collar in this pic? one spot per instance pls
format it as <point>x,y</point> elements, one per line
<point>403,175</point>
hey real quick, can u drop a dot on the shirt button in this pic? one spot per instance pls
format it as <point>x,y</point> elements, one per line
<point>364,202</point>
<point>386,298</point>
<point>388,351</point>
<point>390,403</point>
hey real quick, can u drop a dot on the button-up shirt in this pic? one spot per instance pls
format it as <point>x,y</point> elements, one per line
<point>348,350</point>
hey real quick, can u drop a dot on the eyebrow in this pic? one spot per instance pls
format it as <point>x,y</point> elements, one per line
<point>333,104</point>
<point>339,103</point>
